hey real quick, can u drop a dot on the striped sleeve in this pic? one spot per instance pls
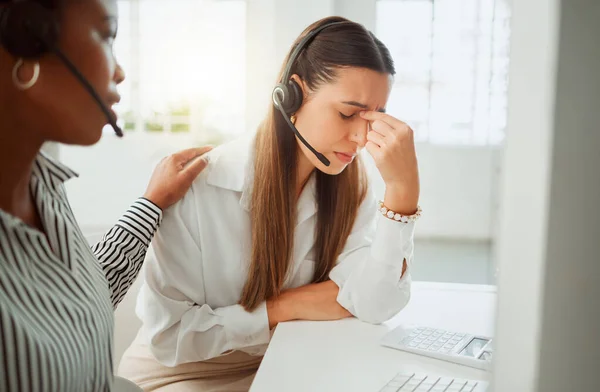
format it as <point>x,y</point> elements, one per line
<point>123,249</point>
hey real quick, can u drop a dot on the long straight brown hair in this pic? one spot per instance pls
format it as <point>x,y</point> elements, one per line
<point>273,201</point>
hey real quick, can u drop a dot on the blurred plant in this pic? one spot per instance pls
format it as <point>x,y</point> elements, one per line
<point>129,118</point>
<point>181,118</point>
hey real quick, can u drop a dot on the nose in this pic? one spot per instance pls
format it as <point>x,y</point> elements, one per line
<point>119,74</point>
<point>358,134</point>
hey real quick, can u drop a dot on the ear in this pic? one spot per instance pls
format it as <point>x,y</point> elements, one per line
<point>302,85</point>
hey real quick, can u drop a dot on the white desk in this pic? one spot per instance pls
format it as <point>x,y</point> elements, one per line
<point>346,356</point>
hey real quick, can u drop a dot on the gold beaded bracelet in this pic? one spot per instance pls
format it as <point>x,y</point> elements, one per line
<point>399,217</point>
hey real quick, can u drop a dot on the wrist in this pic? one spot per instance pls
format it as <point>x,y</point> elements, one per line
<point>401,199</point>
<point>280,310</point>
<point>154,200</point>
<point>148,199</point>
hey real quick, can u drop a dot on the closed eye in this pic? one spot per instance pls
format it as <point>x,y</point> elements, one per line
<point>343,116</point>
<point>110,29</point>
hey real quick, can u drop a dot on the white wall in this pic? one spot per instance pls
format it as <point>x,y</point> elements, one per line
<point>459,191</point>
<point>260,58</point>
<point>361,11</point>
<point>549,318</point>
<point>113,173</point>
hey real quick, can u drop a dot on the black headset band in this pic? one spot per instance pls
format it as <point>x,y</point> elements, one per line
<point>301,45</point>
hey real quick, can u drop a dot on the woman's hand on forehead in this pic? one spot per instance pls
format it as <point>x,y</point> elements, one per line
<point>391,143</point>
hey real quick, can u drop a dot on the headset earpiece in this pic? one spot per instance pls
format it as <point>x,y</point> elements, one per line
<point>296,96</point>
<point>290,96</point>
<point>28,29</point>
<point>280,92</point>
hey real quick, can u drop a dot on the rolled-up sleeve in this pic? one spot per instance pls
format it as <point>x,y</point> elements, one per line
<point>369,270</point>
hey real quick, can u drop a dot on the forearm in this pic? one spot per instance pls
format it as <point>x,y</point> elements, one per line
<point>122,250</point>
<point>316,301</point>
<point>280,309</point>
<point>401,200</point>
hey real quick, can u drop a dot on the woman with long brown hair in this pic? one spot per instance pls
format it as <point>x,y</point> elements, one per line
<point>283,225</point>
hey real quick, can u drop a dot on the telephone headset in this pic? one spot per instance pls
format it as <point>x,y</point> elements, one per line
<point>287,94</point>
<point>30,30</point>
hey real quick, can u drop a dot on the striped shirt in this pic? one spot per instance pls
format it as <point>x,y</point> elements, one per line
<point>57,295</point>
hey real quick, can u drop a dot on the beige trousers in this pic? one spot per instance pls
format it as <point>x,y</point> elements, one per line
<point>232,372</point>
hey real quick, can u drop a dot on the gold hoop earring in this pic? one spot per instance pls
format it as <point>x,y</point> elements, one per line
<point>31,82</point>
<point>293,119</point>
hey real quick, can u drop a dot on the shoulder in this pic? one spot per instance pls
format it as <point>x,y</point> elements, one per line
<point>225,176</point>
<point>229,165</point>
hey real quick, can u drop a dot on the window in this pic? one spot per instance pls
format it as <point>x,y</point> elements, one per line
<point>452,67</point>
<point>185,67</point>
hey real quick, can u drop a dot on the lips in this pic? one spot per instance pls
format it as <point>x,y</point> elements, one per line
<point>345,157</point>
<point>114,99</point>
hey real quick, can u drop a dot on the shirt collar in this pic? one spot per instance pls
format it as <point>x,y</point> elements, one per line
<point>51,175</point>
<point>231,165</point>
<point>233,169</point>
<point>51,172</point>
